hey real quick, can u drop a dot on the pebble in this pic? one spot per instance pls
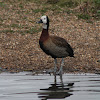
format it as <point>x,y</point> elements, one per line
<point>98,60</point>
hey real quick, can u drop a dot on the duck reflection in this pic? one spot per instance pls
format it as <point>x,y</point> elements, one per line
<point>56,91</point>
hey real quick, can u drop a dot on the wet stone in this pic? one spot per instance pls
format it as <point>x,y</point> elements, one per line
<point>98,61</point>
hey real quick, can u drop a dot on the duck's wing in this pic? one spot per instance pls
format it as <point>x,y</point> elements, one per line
<point>61,42</point>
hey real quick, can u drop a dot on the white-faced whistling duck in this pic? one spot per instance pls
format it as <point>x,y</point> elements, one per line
<point>54,46</point>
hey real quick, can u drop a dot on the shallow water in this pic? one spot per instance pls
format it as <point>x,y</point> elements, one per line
<point>25,86</point>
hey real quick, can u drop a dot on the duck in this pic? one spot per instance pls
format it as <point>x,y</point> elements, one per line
<point>54,46</point>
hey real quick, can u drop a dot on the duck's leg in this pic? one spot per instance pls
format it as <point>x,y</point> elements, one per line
<point>61,67</point>
<point>61,70</point>
<point>55,69</point>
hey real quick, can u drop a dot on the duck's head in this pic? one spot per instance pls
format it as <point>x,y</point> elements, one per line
<point>45,20</point>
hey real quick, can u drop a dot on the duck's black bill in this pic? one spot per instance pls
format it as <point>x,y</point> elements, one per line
<point>40,21</point>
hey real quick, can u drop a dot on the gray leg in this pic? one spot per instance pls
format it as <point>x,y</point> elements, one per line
<point>61,67</point>
<point>55,69</point>
<point>61,70</point>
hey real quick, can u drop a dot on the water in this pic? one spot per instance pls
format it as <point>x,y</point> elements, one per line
<point>24,86</point>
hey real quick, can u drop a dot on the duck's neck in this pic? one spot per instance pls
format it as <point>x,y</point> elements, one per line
<point>45,35</point>
<point>46,26</point>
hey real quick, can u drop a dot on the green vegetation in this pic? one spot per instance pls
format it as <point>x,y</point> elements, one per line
<point>15,26</point>
<point>1,19</point>
<point>7,31</point>
<point>2,4</point>
<point>33,30</point>
<point>68,3</point>
<point>83,16</point>
<point>95,9</point>
<point>87,8</point>
<point>40,10</point>
<point>16,15</point>
<point>23,32</point>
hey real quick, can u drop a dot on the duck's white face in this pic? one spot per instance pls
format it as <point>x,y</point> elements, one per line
<point>44,19</point>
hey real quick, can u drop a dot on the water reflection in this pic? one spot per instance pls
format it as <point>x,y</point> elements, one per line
<point>56,91</point>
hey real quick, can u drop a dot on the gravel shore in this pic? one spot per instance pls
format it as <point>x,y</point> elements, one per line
<point>19,37</point>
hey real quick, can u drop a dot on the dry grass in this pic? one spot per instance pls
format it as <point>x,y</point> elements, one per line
<point>19,50</point>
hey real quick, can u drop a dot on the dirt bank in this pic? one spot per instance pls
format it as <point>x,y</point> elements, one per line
<point>19,36</point>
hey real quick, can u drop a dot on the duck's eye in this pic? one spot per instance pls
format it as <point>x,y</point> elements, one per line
<point>44,18</point>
